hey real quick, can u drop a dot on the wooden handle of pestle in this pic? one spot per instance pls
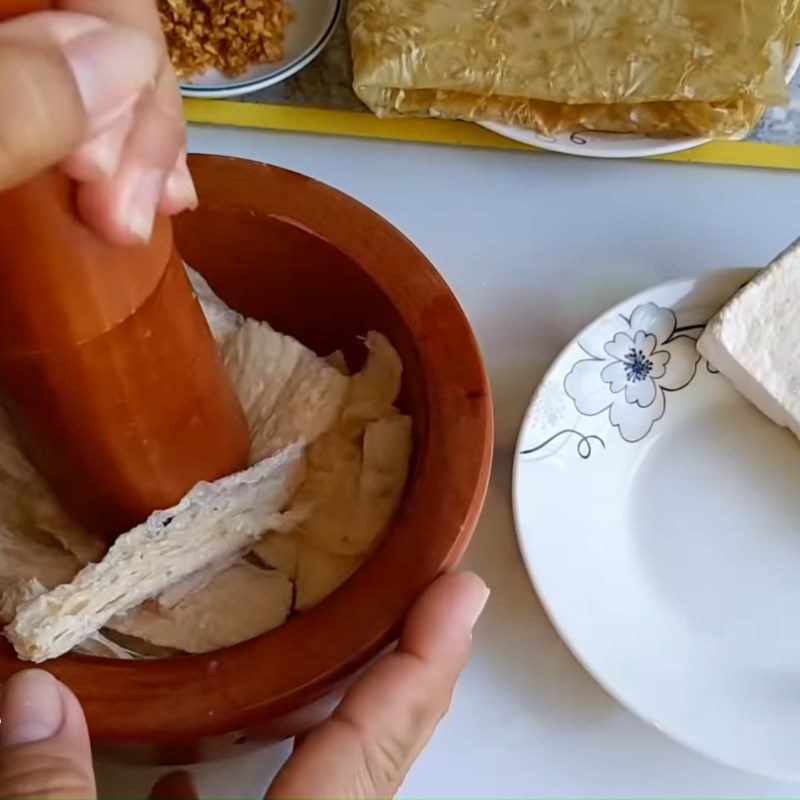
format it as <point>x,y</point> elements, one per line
<point>107,366</point>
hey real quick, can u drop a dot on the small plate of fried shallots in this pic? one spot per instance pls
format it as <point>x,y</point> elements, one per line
<point>223,48</point>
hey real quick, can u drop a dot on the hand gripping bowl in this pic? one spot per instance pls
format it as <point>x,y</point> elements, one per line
<point>320,266</point>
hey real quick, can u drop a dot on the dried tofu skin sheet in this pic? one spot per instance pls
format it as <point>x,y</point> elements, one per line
<point>733,119</point>
<point>576,51</point>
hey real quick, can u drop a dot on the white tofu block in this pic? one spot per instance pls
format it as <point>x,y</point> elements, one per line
<point>754,340</point>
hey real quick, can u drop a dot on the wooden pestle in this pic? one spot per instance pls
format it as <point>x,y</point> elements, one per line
<point>108,369</point>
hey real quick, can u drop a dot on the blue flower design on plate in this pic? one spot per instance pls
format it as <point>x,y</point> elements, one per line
<point>629,374</point>
<point>632,363</point>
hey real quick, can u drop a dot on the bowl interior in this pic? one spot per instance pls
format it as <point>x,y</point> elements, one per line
<point>274,269</point>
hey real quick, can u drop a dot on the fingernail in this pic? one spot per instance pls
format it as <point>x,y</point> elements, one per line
<point>99,159</point>
<point>479,600</point>
<point>105,150</point>
<point>140,210</point>
<point>106,158</point>
<point>111,68</point>
<point>180,187</point>
<point>31,708</point>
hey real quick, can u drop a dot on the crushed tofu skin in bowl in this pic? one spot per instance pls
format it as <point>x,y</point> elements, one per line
<point>237,613</point>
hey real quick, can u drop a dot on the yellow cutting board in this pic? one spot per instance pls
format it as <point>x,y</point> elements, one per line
<point>460,134</point>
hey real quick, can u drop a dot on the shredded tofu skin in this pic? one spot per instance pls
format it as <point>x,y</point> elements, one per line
<point>236,557</point>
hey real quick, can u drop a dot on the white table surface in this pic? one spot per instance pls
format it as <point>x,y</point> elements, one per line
<point>534,247</point>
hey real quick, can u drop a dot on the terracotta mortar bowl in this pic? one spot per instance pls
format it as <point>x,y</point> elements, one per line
<point>318,265</point>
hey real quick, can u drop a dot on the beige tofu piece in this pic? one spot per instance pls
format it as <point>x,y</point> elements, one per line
<point>319,573</point>
<point>16,594</point>
<point>278,550</point>
<point>288,393</point>
<point>174,594</point>
<point>372,392</point>
<point>329,494</point>
<point>384,471</point>
<point>213,521</point>
<point>24,556</point>
<point>353,491</point>
<point>223,320</point>
<point>29,507</point>
<point>239,603</point>
<point>337,360</point>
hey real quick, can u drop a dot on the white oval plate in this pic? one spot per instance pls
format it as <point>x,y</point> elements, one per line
<point>658,514</point>
<point>306,35</point>
<point>595,144</point>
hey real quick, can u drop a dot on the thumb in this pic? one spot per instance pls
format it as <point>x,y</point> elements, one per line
<point>65,77</point>
<point>385,720</point>
<point>44,743</point>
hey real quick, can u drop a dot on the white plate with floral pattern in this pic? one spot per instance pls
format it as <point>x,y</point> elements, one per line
<point>658,514</point>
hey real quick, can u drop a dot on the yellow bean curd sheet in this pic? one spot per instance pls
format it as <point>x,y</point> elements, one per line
<point>659,67</point>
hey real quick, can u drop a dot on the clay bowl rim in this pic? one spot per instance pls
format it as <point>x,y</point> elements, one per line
<point>157,701</point>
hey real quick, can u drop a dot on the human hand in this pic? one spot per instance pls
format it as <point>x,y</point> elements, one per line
<point>89,87</point>
<point>363,750</point>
